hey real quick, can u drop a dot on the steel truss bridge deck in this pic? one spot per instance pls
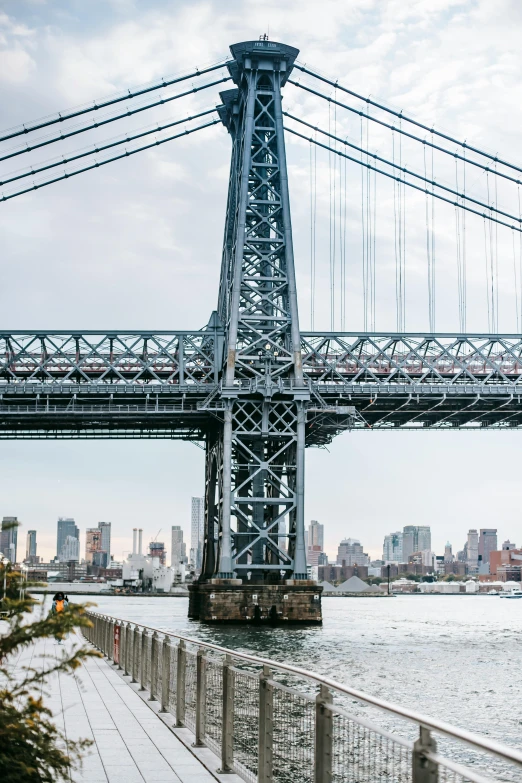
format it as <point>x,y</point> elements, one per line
<point>167,384</point>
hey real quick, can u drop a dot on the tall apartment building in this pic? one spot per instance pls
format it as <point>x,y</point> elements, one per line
<point>178,552</point>
<point>30,547</point>
<point>487,542</point>
<point>65,527</point>
<point>350,552</point>
<point>420,536</point>
<point>93,537</point>
<point>197,522</point>
<point>9,538</point>
<point>316,534</point>
<point>392,548</point>
<point>105,528</point>
<point>70,550</point>
<point>472,549</point>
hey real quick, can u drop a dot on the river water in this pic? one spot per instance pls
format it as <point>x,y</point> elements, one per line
<point>458,658</point>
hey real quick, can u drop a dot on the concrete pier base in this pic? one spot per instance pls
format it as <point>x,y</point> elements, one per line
<point>231,601</point>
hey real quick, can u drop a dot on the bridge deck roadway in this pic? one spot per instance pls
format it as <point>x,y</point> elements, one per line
<point>131,743</point>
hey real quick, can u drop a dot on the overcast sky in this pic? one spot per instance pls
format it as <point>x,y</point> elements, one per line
<point>136,245</point>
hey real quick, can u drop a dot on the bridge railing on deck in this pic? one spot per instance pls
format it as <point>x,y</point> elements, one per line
<point>269,721</point>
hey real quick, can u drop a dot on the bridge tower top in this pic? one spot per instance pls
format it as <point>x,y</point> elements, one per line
<point>262,55</point>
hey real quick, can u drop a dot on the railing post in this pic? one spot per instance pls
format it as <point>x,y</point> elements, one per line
<point>165,674</point>
<point>266,735</point>
<point>227,734</point>
<point>201,696</point>
<point>117,623</point>
<point>180,683</point>
<point>143,661</point>
<point>135,654</point>
<point>424,770</point>
<point>153,666</point>
<point>323,736</point>
<point>127,659</point>
<point>110,653</point>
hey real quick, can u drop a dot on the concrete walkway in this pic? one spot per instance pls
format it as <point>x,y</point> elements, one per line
<point>132,744</point>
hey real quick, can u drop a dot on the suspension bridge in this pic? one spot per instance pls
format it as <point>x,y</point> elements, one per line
<point>251,386</point>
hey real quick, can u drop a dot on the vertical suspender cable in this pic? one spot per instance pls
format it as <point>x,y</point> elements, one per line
<point>515,277</point>
<point>334,233</point>
<point>311,240</point>
<point>496,257</point>
<point>433,266</point>
<point>520,255</point>
<point>363,237</point>
<point>403,248</point>
<point>428,254</point>
<point>345,267</point>
<point>487,274</point>
<point>464,275</point>
<point>374,247</point>
<point>457,241</point>
<point>397,294</point>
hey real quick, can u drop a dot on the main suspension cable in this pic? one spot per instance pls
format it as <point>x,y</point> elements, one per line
<point>404,170</point>
<point>100,123</point>
<point>104,147</point>
<point>404,117</point>
<point>126,154</point>
<point>405,133</point>
<point>39,124</point>
<point>409,184</point>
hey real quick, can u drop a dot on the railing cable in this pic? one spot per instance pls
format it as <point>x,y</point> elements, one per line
<point>405,118</point>
<point>100,123</point>
<point>126,154</point>
<point>39,124</point>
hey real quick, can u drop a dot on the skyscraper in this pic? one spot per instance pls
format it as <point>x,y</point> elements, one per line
<point>9,538</point>
<point>70,550</point>
<point>472,549</point>
<point>487,542</point>
<point>30,548</point>
<point>448,554</point>
<point>178,549</point>
<point>65,527</point>
<point>392,548</point>
<point>196,531</point>
<point>421,537</point>
<point>105,545</point>
<point>93,537</point>
<point>316,534</point>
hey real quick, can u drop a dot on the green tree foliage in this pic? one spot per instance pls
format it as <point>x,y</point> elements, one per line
<point>32,748</point>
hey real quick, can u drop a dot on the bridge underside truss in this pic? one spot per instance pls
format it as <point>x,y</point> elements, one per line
<point>166,385</point>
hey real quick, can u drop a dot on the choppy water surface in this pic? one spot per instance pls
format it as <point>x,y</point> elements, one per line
<point>455,658</point>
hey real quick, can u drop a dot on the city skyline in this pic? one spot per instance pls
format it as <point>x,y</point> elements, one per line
<point>122,545</point>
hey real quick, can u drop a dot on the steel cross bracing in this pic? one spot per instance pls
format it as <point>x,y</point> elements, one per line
<point>169,384</point>
<point>250,386</point>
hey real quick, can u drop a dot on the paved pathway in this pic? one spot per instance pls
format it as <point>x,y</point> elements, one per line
<point>131,743</point>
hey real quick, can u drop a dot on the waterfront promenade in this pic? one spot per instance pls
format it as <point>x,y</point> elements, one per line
<point>131,743</point>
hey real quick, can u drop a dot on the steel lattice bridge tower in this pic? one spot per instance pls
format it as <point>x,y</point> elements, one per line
<point>250,385</point>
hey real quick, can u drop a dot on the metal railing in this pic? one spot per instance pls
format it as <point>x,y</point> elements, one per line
<point>269,721</point>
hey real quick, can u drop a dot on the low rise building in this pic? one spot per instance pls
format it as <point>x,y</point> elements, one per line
<point>340,573</point>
